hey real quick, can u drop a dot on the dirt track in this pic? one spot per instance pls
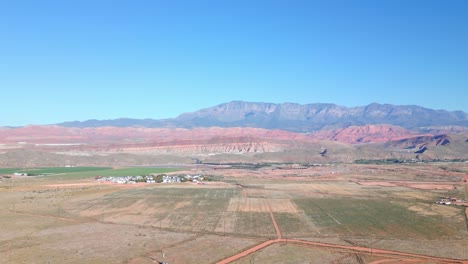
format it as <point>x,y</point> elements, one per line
<point>277,230</point>
<point>381,252</point>
<point>376,251</point>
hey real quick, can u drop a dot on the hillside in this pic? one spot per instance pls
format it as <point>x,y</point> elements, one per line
<point>57,146</point>
<point>246,132</point>
<point>365,134</point>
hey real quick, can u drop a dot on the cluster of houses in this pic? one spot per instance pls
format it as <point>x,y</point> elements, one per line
<point>126,179</point>
<point>150,179</point>
<point>449,200</point>
<point>194,178</point>
<point>171,179</point>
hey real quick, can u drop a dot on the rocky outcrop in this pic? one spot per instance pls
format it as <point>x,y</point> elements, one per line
<point>364,134</point>
<point>421,143</point>
<point>421,150</point>
<point>201,148</point>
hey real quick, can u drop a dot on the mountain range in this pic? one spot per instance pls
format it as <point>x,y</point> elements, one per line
<point>295,117</point>
<point>245,132</point>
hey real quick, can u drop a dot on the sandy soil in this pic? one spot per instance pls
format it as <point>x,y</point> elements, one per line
<point>131,213</point>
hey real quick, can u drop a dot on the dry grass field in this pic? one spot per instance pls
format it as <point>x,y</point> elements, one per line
<point>290,253</point>
<point>350,208</point>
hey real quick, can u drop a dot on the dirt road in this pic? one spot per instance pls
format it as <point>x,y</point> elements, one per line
<point>376,251</point>
<point>381,252</point>
<point>277,230</point>
<point>249,251</point>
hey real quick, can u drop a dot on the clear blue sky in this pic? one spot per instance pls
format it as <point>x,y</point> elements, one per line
<point>77,60</point>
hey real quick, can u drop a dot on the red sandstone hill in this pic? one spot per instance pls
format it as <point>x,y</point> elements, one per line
<point>55,145</point>
<point>133,135</point>
<point>159,140</point>
<point>365,134</point>
<point>239,139</point>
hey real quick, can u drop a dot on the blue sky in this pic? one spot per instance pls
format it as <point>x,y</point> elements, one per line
<point>77,60</point>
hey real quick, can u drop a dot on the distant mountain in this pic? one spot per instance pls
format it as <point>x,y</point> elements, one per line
<point>295,117</point>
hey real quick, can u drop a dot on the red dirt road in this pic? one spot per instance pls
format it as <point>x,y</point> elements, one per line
<point>249,251</point>
<point>388,253</point>
<point>373,251</point>
<point>277,230</point>
<point>352,248</point>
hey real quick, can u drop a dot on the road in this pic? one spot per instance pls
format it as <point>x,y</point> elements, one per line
<point>357,249</point>
<point>396,255</point>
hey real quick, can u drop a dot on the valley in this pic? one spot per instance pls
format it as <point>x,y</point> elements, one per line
<point>240,192</point>
<point>340,213</point>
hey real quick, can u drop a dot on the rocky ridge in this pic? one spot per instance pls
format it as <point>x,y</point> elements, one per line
<point>365,134</point>
<point>295,117</point>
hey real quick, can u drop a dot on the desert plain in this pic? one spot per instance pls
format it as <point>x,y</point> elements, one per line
<point>273,213</point>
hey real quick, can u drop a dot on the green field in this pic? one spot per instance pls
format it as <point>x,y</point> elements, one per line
<point>115,172</point>
<point>52,170</point>
<point>380,218</point>
<point>85,172</point>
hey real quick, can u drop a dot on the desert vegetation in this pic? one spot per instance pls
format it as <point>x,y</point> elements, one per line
<point>279,211</point>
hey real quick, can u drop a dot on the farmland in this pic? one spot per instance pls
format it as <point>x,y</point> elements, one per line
<point>333,213</point>
<point>52,170</point>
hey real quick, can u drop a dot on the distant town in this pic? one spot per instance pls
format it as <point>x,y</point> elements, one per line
<point>160,178</point>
